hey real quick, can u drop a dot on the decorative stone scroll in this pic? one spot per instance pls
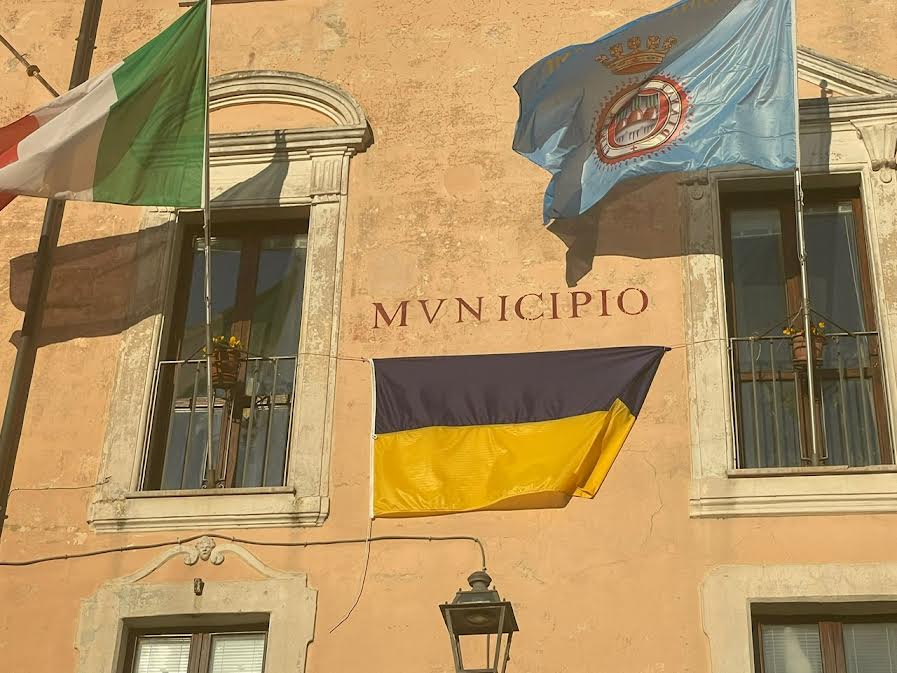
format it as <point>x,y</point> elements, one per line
<point>207,550</point>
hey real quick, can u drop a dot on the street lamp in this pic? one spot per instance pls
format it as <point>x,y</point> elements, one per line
<point>480,611</point>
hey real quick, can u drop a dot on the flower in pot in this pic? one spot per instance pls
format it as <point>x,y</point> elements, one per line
<point>227,355</point>
<point>799,344</point>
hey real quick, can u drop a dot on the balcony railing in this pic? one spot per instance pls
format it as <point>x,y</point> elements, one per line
<point>771,403</point>
<point>251,425</point>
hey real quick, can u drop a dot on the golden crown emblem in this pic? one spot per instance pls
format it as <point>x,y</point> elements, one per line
<point>637,59</point>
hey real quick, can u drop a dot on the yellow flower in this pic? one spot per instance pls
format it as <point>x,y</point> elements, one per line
<point>221,341</point>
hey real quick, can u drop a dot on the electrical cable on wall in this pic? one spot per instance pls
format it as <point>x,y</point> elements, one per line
<point>364,574</point>
<point>257,543</point>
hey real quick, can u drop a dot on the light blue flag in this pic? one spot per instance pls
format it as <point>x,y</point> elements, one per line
<point>703,83</point>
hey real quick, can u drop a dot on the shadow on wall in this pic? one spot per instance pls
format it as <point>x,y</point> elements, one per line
<point>93,288</point>
<point>642,217</point>
<point>265,185</point>
<point>821,151</point>
<point>103,286</point>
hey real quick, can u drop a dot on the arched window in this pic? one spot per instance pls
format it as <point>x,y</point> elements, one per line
<point>280,153</point>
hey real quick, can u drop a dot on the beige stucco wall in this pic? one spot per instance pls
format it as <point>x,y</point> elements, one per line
<point>439,206</point>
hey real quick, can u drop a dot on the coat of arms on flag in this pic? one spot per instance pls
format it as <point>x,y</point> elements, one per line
<point>697,85</point>
<point>641,120</point>
<point>644,116</point>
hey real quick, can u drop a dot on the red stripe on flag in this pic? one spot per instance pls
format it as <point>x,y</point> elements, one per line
<point>12,135</point>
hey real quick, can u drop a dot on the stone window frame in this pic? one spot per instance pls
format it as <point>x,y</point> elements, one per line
<point>847,139</point>
<point>728,594</point>
<point>315,179</point>
<point>125,604</point>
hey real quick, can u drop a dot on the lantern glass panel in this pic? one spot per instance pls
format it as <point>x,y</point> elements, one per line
<point>480,618</point>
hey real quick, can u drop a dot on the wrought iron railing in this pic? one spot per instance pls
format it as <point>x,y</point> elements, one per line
<point>252,423</point>
<point>769,393</point>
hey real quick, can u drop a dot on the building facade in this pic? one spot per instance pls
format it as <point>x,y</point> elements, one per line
<point>367,203</point>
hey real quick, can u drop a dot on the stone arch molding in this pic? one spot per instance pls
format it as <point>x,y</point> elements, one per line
<point>287,88</point>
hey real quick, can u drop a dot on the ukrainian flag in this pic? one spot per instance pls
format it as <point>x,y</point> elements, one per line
<point>490,432</point>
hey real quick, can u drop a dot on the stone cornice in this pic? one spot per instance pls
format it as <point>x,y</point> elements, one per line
<point>217,511</point>
<point>331,140</point>
<point>848,109</point>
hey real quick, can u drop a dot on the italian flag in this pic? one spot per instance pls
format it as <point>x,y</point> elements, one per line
<point>134,134</point>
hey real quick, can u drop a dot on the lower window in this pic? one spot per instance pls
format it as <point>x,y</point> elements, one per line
<point>212,651</point>
<point>830,644</point>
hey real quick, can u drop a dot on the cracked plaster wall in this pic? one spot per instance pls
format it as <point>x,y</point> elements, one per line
<point>439,206</point>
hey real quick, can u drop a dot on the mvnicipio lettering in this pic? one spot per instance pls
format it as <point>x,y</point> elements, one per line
<point>530,306</point>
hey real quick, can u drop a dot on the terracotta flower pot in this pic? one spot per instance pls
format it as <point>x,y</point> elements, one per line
<point>225,367</point>
<point>799,349</point>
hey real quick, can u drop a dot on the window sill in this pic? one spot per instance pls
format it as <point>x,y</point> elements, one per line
<point>808,471</point>
<point>215,492</point>
<point>824,491</point>
<point>201,510</point>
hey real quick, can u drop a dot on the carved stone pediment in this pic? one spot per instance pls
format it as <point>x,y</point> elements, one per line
<point>836,77</point>
<point>126,603</point>
<point>207,550</point>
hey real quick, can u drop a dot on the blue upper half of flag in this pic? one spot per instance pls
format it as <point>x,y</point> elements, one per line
<point>700,84</point>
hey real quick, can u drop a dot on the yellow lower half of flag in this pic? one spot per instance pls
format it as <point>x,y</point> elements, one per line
<point>440,470</point>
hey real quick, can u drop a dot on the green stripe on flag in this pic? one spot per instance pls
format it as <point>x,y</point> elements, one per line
<point>151,151</point>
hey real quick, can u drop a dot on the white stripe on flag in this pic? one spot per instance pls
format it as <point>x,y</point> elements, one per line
<point>63,149</point>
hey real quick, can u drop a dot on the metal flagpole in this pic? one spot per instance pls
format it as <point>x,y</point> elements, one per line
<point>210,480</point>
<point>30,69</point>
<point>802,251</point>
<point>26,353</point>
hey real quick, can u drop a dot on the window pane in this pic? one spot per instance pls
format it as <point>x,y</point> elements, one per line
<point>769,424</point>
<point>184,464</point>
<point>238,653</point>
<point>792,648</point>
<point>278,296</point>
<point>870,648</point>
<point>848,418</point>
<point>225,271</point>
<point>264,421</point>
<point>757,274</point>
<point>833,265</point>
<point>836,292</point>
<point>162,654</point>
<point>185,454</point>
<point>768,427</point>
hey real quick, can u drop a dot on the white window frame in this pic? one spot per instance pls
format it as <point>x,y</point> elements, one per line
<point>851,137</point>
<point>316,178</point>
<point>729,592</point>
<point>285,598</point>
